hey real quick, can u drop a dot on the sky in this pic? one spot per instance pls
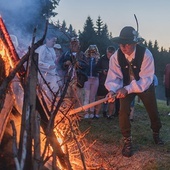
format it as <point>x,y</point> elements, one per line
<point>153,16</point>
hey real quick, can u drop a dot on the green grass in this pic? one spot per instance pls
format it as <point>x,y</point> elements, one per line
<point>106,131</point>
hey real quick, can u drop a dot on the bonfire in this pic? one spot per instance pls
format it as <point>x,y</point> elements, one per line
<point>47,136</point>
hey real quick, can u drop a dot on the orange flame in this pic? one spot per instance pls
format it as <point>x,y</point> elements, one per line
<point>8,43</point>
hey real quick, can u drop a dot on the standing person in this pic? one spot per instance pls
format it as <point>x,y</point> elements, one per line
<point>131,73</point>
<point>47,66</point>
<point>102,68</point>
<point>59,70</point>
<point>75,60</point>
<point>91,85</point>
<point>166,82</point>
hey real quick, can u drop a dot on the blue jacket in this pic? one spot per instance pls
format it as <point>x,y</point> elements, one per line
<point>91,71</point>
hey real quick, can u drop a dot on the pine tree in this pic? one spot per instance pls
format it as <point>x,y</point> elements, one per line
<point>88,36</point>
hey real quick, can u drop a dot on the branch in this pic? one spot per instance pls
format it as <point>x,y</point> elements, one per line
<point>14,146</point>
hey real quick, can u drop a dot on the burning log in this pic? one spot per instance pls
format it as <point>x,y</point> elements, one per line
<point>8,43</point>
<point>28,115</point>
<point>16,62</point>
<point>59,125</point>
<point>5,114</point>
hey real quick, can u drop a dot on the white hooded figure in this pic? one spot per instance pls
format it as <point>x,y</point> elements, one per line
<point>47,66</point>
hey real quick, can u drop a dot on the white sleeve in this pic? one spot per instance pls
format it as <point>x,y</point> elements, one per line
<point>114,80</point>
<point>42,59</point>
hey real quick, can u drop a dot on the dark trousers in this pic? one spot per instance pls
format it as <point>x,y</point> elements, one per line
<point>149,100</point>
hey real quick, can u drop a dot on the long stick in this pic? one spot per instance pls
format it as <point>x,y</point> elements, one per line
<point>85,107</point>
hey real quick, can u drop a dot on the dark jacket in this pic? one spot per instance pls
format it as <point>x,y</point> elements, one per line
<point>80,57</point>
<point>102,65</point>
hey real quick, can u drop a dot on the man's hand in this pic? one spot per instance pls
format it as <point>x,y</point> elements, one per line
<point>52,66</point>
<point>67,63</point>
<point>77,65</point>
<point>111,97</point>
<point>121,93</point>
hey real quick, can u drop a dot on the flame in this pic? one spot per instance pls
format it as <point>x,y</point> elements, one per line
<point>10,45</point>
<point>4,53</point>
<point>69,137</point>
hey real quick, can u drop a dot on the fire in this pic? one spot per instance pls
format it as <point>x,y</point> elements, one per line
<point>71,140</point>
<point>4,54</point>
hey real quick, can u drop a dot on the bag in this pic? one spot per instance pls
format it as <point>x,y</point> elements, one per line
<point>81,79</point>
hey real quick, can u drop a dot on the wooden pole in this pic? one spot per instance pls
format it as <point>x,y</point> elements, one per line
<point>29,107</point>
<point>85,107</point>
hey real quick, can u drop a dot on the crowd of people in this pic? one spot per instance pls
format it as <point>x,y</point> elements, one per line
<point>87,72</point>
<point>125,72</point>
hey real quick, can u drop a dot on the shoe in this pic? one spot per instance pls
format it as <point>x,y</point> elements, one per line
<point>95,117</point>
<point>157,139</point>
<point>110,117</point>
<point>91,115</point>
<point>86,116</point>
<point>131,120</point>
<point>116,114</point>
<point>104,114</point>
<point>127,148</point>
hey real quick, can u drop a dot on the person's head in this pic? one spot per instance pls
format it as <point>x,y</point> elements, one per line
<point>110,51</point>
<point>92,51</point>
<point>57,48</point>
<point>74,44</point>
<point>50,40</point>
<point>128,39</point>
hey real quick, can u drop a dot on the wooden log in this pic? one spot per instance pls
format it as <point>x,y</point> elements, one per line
<point>5,114</point>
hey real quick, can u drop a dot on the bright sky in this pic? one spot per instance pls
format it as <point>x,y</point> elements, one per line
<point>153,16</point>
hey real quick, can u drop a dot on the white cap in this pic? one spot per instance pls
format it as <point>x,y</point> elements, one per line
<point>58,46</point>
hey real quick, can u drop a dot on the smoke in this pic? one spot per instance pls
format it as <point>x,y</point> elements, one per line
<point>22,16</point>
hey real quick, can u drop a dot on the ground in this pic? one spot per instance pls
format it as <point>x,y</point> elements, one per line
<point>108,143</point>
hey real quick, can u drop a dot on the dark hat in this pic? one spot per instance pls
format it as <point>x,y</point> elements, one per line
<point>74,39</point>
<point>128,35</point>
<point>111,49</point>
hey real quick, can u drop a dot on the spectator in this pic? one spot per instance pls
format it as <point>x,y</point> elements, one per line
<point>91,85</point>
<point>166,81</point>
<point>131,73</point>
<point>75,62</point>
<point>102,68</point>
<point>59,70</point>
<point>47,66</point>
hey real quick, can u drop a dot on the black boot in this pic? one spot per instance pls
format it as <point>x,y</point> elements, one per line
<point>157,139</point>
<point>127,148</point>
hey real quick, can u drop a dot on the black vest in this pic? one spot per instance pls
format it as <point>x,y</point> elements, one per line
<point>135,64</point>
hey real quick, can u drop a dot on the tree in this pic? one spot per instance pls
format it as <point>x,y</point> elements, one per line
<point>155,47</point>
<point>88,36</point>
<point>99,26</point>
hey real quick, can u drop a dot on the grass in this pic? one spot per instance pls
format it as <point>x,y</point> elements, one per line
<point>147,155</point>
